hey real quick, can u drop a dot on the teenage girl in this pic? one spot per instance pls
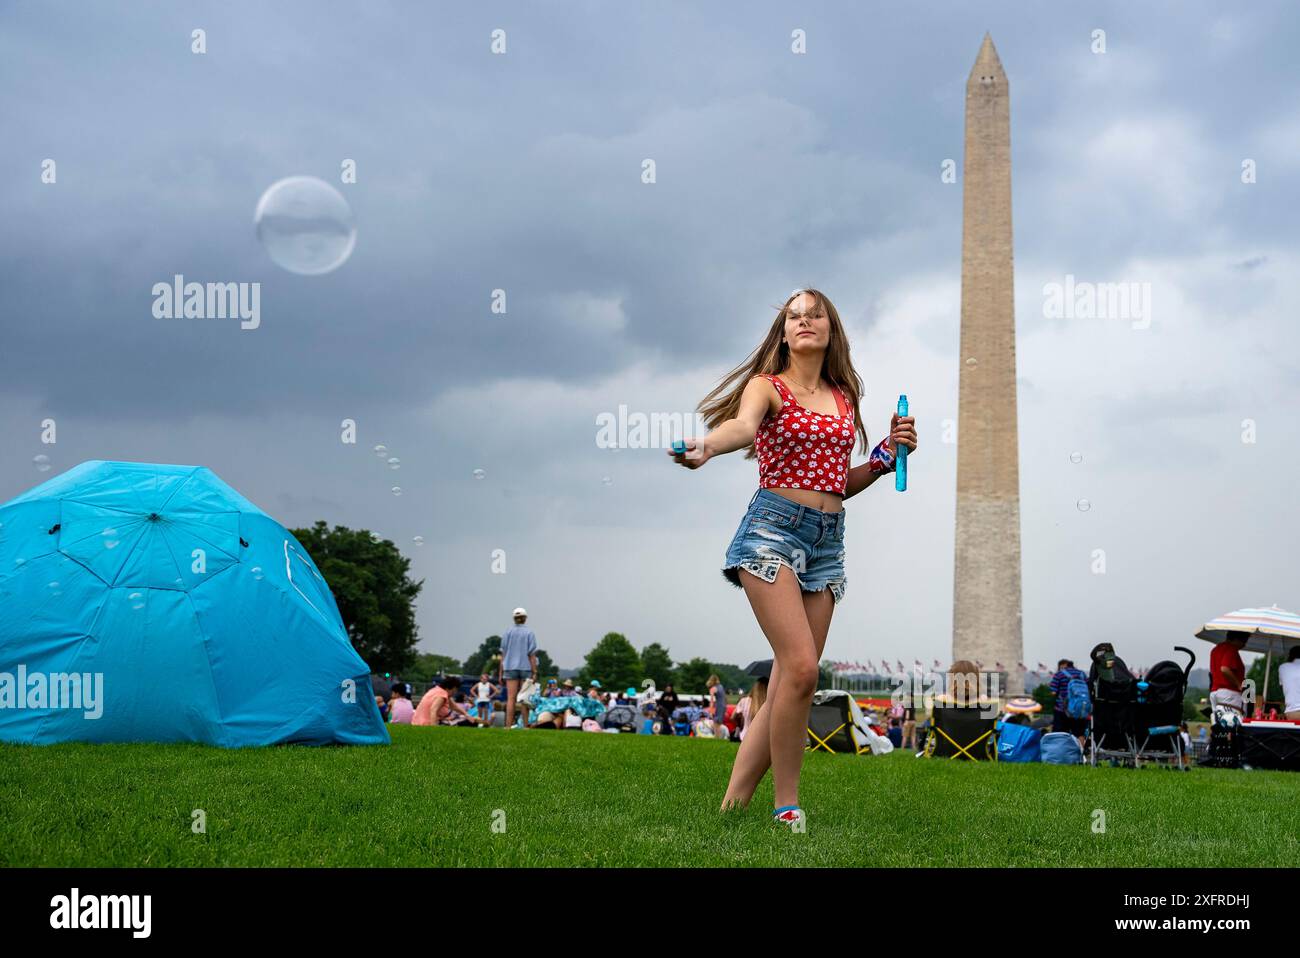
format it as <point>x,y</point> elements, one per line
<point>795,402</point>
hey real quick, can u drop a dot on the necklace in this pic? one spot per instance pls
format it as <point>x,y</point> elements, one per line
<point>810,391</point>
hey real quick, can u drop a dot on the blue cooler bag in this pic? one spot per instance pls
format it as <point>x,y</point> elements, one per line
<point>1061,748</point>
<point>1018,743</point>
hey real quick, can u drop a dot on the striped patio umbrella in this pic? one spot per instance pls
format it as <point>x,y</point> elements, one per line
<point>1270,630</point>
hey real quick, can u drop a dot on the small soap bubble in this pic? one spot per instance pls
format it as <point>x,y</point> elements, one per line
<point>480,474</point>
<point>374,537</point>
<point>607,480</point>
<point>41,462</point>
<point>397,490</point>
<point>418,540</point>
<point>971,361</point>
<point>109,538</point>
<point>1083,505</point>
<point>137,600</point>
<point>394,463</point>
<point>381,450</point>
<point>1076,457</point>
<point>257,572</point>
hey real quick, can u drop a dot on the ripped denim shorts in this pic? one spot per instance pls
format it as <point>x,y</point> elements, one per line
<point>779,532</point>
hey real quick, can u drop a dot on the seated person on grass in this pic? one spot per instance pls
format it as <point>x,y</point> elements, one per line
<point>400,709</point>
<point>437,707</point>
<point>963,689</point>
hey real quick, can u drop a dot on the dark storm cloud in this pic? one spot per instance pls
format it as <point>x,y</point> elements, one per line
<point>522,172</point>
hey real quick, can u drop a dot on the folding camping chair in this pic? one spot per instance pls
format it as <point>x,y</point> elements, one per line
<point>836,724</point>
<point>962,731</point>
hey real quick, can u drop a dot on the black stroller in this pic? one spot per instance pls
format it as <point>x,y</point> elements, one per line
<point>1114,702</point>
<point>1160,695</point>
<point>1137,720</point>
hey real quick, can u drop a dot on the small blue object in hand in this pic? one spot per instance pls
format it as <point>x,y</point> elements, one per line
<point>679,447</point>
<point>900,467</point>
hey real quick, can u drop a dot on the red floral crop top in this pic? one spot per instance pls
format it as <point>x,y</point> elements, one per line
<point>801,449</point>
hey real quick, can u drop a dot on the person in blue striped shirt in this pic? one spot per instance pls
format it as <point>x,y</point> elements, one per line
<point>1059,687</point>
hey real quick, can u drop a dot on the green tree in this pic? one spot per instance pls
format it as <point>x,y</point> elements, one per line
<point>693,676</point>
<point>429,665</point>
<point>613,661</point>
<point>1044,697</point>
<point>545,667</point>
<point>484,660</point>
<point>374,593</point>
<point>656,664</point>
<point>733,676</point>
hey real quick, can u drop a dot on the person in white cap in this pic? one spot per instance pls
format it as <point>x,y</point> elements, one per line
<point>518,662</point>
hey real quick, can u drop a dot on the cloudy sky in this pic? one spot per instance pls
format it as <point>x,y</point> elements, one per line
<point>522,171</point>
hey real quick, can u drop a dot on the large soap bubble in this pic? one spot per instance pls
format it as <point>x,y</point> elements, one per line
<point>306,225</point>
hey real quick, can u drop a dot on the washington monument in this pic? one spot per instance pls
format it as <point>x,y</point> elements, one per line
<point>986,580</point>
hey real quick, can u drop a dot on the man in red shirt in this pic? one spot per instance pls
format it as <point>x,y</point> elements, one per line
<point>1227,673</point>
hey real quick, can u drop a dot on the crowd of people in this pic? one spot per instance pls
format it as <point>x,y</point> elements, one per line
<point>561,704</point>
<point>565,704</point>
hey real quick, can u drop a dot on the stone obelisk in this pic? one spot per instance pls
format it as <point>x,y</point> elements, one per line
<point>986,581</point>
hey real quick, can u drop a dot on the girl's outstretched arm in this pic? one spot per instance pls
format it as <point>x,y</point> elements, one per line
<point>755,403</point>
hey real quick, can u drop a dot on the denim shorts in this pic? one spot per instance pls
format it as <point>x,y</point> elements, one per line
<point>518,673</point>
<point>778,532</point>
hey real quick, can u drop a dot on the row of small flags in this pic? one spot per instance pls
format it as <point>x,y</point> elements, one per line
<point>870,667</point>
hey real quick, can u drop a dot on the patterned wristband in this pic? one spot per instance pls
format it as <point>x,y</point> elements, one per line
<point>880,460</point>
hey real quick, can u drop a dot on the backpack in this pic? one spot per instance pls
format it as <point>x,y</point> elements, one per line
<point>1018,743</point>
<point>1060,748</point>
<point>1078,703</point>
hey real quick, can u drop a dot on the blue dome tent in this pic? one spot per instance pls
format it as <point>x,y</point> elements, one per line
<point>152,603</point>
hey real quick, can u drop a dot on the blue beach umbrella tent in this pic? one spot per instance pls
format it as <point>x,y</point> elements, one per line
<point>148,603</point>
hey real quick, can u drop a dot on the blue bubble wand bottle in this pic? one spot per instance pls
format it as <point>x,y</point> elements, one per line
<point>900,454</point>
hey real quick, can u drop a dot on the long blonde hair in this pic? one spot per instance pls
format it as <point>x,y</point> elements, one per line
<point>772,357</point>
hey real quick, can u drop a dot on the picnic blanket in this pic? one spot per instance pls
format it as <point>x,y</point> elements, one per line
<point>580,705</point>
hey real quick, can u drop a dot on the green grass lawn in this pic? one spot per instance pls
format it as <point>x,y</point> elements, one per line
<point>576,799</point>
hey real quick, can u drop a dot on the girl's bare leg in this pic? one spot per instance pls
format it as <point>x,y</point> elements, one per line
<point>754,755</point>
